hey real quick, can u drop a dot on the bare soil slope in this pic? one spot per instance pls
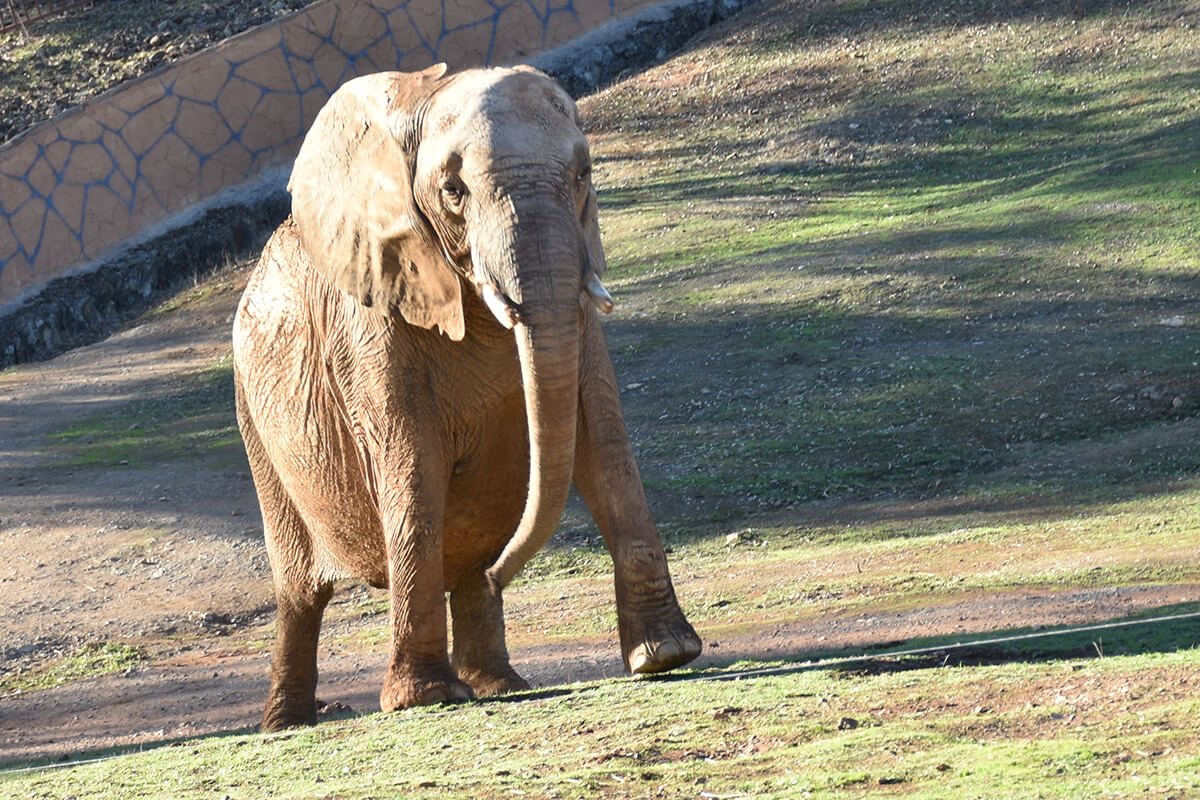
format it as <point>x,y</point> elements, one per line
<point>168,556</point>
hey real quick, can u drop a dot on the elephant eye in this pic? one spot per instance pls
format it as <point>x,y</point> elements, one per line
<point>453,193</point>
<point>583,188</point>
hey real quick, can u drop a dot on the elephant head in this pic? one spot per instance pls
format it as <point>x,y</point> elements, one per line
<point>413,189</point>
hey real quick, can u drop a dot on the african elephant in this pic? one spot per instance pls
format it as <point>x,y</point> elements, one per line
<point>421,373</point>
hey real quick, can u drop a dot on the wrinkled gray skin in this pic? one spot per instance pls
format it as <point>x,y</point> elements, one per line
<point>421,372</point>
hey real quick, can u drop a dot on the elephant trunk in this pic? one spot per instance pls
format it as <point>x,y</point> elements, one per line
<point>547,336</point>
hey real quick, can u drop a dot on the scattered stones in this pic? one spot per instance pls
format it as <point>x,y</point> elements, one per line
<point>333,710</point>
<point>216,622</point>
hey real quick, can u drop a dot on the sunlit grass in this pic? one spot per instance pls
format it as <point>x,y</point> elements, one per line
<point>987,731</point>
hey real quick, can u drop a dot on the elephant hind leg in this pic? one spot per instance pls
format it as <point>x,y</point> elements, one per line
<point>292,700</point>
<point>480,656</point>
<point>300,600</point>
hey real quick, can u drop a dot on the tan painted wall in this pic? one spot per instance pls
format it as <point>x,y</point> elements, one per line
<point>79,185</point>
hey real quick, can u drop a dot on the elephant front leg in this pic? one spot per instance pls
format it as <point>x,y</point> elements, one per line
<point>655,634</point>
<point>419,671</point>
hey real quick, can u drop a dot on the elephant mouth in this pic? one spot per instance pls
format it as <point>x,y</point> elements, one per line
<point>508,314</point>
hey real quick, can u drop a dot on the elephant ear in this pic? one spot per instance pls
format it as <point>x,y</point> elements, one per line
<point>353,203</point>
<point>590,220</point>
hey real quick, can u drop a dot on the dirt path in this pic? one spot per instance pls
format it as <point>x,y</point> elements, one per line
<point>168,556</point>
<point>137,550</point>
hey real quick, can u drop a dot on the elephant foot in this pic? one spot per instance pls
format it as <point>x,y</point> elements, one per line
<point>282,713</point>
<point>406,687</point>
<point>480,655</point>
<point>489,682</point>
<point>658,643</point>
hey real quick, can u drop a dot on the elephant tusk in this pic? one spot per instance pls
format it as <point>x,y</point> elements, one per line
<point>502,309</point>
<point>599,296</point>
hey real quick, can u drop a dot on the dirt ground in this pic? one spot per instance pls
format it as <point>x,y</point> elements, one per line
<point>169,558</point>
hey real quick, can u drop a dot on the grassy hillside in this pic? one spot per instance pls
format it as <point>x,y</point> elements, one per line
<point>870,249</point>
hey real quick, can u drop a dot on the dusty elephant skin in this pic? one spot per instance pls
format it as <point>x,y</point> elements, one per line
<point>421,372</point>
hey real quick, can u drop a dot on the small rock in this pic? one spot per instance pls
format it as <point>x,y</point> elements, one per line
<point>746,535</point>
<point>847,724</point>
<point>336,708</point>
<point>1176,321</point>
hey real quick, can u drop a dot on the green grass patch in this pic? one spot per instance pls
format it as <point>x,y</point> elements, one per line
<point>89,662</point>
<point>196,416</point>
<point>203,294</point>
